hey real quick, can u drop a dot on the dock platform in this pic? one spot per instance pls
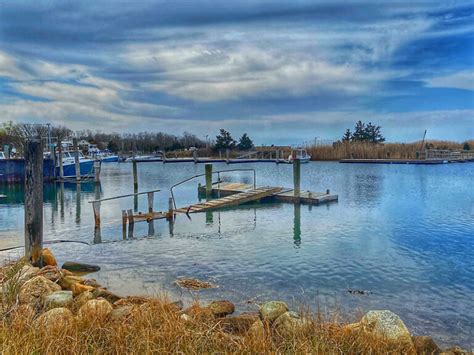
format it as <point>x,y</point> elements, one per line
<point>283,195</point>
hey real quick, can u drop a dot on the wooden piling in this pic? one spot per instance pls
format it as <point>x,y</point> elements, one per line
<point>96,208</point>
<point>195,157</point>
<point>34,200</point>
<point>131,223</point>
<point>169,215</point>
<point>135,175</point>
<point>296,177</point>
<point>76,159</point>
<point>124,224</point>
<point>151,196</point>
<point>97,171</point>
<point>208,169</point>
<point>60,158</point>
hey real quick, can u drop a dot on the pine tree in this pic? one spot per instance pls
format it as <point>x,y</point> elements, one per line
<point>359,134</point>
<point>245,143</point>
<point>224,140</point>
<point>373,134</point>
<point>347,137</point>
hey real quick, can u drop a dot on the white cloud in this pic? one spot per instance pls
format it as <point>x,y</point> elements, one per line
<point>460,80</point>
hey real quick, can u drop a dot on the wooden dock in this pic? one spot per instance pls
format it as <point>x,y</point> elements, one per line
<point>283,195</point>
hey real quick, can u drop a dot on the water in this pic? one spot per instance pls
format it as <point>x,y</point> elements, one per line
<point>403,232</point>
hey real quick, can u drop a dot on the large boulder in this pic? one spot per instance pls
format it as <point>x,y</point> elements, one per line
<point>425,345</point>
<point>37,288</point>
<point>456,350</point>
<point>106,294</point>
<point>58,299</point>
<point>239,324</point>
<point>55,320</point>
<point>52,273</point>
<point>48,257</point>
<point>221,308</point>
<point>83,298</point>
<point>257,330</point>
<point>67,281</point>
<point>289,322</point>
<point>386,324</point>
<point>80,268</point>
<point>95,309</point>
<point>78,288</point>
<point>272,310</point>
<point>121,312</point>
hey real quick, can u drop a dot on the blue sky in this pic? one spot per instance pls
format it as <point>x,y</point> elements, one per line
<point>285,72</point>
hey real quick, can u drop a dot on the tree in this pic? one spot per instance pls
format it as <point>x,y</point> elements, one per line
<point>373,134</point>
<point>224,140</point>
<point>466,146</point>
<point>347,137</point>
<point>359,134</point>
<point>245,143</point>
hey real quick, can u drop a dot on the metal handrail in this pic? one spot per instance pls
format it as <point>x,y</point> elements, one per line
<point>218,180</point>
<point>122,196</point>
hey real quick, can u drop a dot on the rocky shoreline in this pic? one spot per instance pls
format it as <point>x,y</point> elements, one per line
<point>54,297</point>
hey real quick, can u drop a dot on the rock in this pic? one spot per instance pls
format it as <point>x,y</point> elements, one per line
<point>80,268</point>
<point>55,319</point>
<point>221,308</point>
<point>239,324</point>
<point>121,312</point>
<point>67,281</point>
<point>257,329</point>
<point>58,299</point>
<point>48,257</point>
<point>52,273</point>
<point>425,345</point>
<point>35,289</point>
<point>184,317</point>
<point>177,305</point>
<point>93,283</point>
<point>288,322</point>
<point>455,350</point>
<point>26,273</point>
<point>95,309</point>
<point>78,288</point>
<point>273,309</point>
<point>83,298</point>
<point>137,300</point>
<point>109,296</point>
<point>386,324</point>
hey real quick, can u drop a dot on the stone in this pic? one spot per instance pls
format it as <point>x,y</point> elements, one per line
<point>455,350</point>
<point>26,273</point>
<point>67,281</point>
<point>109,296</point>
<point>185,318</point>
<point>137,300</point>
<point>239,324</point>
<point>82,298</point>
<point>288,322</point>
<point>78,288</point>
<point>386,324</point>
<point>221,308</point>
<point>425,345</point>
<point>58,299</point>
<point>52,273</point>
<point>95,309</point>
<point>177,305</point>
<point>48,257</point>
<point>272,310</point>
<point>121,312</point>
<point>80,268</point>
<point>257,329</point>
<point>93,283</point>
<point>35,289</point>
<point>55,319</point>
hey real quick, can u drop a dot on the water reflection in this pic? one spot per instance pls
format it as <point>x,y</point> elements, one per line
<point>297,224</point>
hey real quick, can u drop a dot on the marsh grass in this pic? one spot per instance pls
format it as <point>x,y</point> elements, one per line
<point>156,327</point>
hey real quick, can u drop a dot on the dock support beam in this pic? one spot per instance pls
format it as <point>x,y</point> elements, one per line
<point>131,223</point>
<point>124,224</point>
<point>208,168</point>
<point>297,177</point>
<point>34,200</point>
<point>97,171</point>
<point>76,159</point>
<point>135,184</point>
<point>151,196</point>
<point>96,208</point>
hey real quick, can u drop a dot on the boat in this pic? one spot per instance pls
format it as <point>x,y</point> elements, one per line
<point>144,158</point>
<point>69,165</point>
<point>106,156</point>
<point>2,156</point>
<point>301,154</point>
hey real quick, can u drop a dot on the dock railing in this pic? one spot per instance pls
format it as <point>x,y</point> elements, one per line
<point>218,180</point>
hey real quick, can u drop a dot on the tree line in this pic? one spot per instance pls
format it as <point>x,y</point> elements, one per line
<point>364,133</point>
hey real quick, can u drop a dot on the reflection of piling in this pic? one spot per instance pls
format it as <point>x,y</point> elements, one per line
<point>124,224</point>
<point>76,159</point>
<point>208,168</point>
<point>60,158</point>
<point>96,209</point>
<point>296,177</point>
<point>33,200</point>
<point>297,224</point>
<point>131,223</point>
<point>78,203</point>
<point>97,171</point>
<point>135,184</point>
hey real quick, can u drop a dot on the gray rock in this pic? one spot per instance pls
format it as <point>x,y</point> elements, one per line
<point>35,289</point>
<point>58,299</point>
<point>54,320</point>
<point>121,312</point>
<point>79,267</point>
<point>273,309</point>
<point>288,322</point>
<point>425,345</point>
<point>386,324</point>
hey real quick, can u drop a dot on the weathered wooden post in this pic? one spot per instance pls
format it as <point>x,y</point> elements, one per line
<point>208,169</point>
<point>151,196</point>
<point>60,157</point>
<point>296,178</point>
<point>131,223</point>
<point>52,152</point>
<point>76,159</point>
<point>97,171</point>
<point>124,224</point>
<point>195,158</point>
<point>34,200</point>
<point>96,209</point>
<point>135,175</point>
<point>151,227</point>
<point>169,215</point>
<point>227,153</point>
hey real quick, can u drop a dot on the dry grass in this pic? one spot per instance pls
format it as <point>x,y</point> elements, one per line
<point>378,151</point>
<point>155,326</point>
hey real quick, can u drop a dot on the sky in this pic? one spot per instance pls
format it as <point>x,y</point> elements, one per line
<point>285,72</point>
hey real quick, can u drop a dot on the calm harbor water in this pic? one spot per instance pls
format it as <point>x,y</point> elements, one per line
<point>403,232</point>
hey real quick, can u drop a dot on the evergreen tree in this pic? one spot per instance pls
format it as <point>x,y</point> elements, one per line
<point>347,137</point>
<point>245,143</point>
<point>466,146</point>
<point>359,134</point>
<point>224,140</point>
<point>373,134</point>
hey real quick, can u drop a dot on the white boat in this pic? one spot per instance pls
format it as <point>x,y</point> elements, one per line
<point>144,158</point>
<point>301,154</point>
<point>2,156</point>
<point>69,165</point>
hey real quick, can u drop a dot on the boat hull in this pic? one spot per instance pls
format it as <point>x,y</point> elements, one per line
<point>86,167</point>
<point>110,159</point>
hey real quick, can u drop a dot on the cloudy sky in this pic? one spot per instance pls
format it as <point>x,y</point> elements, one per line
<point>285,72</point>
